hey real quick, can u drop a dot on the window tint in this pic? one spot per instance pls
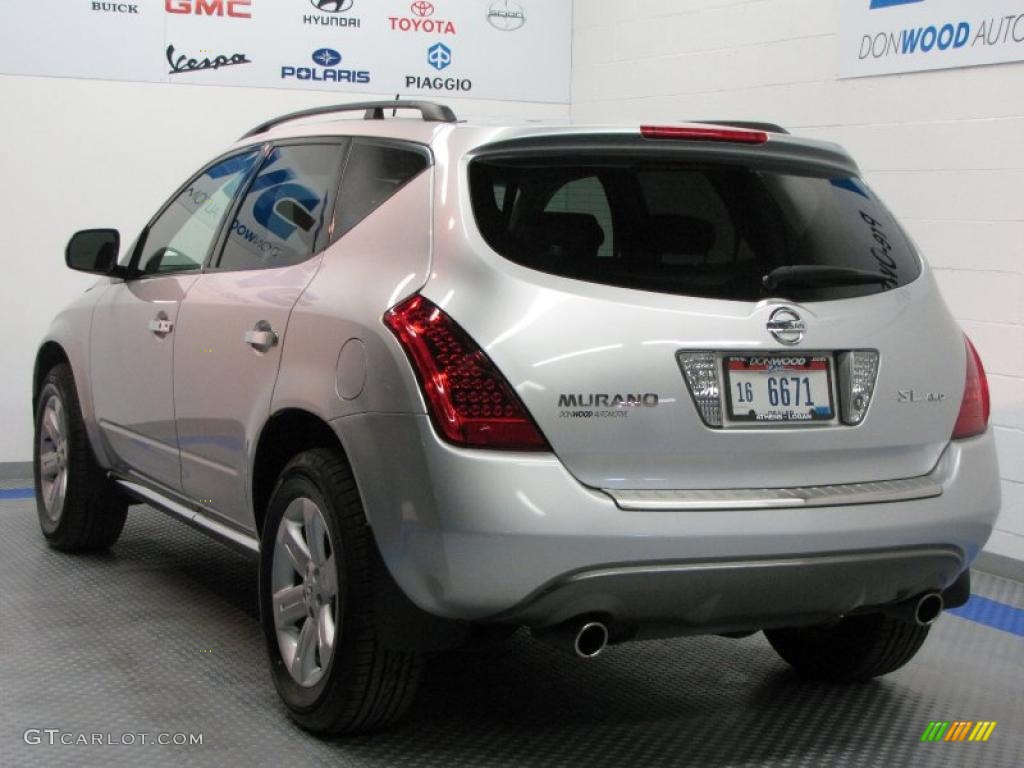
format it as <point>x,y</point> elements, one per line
<point>374,173</point>
<point>181,237</point>
<point>586,197</point>
<point>709,231</point>
<point>284,214</point>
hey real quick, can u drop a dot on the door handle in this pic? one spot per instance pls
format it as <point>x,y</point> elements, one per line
<point>262,337</point>
<point>161,325</point>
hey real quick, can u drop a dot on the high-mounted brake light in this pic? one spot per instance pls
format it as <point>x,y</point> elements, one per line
<point>976,405</point>
<point>471,403</point>
<point>691,133</point>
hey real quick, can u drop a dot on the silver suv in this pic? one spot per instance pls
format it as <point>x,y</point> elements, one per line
<point>605,383</point>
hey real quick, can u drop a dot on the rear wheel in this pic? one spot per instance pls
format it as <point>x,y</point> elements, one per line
<point>316,604</point>
<point>79,510</point>
<point>855,648</point>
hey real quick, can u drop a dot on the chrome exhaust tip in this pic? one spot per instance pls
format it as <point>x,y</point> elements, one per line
<point>591,640</point>
<point>928,609</point>
<point>581,637</point>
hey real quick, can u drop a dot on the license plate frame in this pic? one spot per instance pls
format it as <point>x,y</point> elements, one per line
<point>757,367</point>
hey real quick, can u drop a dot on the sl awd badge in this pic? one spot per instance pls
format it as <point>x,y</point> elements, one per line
<point>786,326</point>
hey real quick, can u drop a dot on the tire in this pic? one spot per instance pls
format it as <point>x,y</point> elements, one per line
<point>79,509</point>
<point>316,558</point>
<point>856,648</point>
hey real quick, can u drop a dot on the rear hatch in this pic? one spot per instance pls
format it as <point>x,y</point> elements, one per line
<point>706,310</point>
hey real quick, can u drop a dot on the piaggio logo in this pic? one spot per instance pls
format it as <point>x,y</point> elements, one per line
<point>334,10</point>
<point>421,21</point>
<point>439,56</point>
<point>958,730</point>
<point>236,9</point>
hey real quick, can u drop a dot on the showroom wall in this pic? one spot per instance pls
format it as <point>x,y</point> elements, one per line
<point>90,153</point>
<point>944,148</point>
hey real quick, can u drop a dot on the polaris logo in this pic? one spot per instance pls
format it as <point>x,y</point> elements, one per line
<point>650,400</point>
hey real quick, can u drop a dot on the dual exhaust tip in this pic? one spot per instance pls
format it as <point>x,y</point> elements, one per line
<point>582,637</point>
<point>586,638</point>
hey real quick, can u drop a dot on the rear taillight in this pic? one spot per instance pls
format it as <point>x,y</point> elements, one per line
<point>690,133</point>
<point>471,403</point>
<point>975,407</point>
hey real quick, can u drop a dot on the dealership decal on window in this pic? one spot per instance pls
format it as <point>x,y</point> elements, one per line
<point>516,50</point>
<point>881,37</point>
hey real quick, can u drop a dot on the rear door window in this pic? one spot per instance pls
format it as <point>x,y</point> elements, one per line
<point>713,231</point>
<point>284,217</point>
<point>374,172</point>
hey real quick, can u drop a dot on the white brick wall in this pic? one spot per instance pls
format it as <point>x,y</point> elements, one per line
<point>945,149</point>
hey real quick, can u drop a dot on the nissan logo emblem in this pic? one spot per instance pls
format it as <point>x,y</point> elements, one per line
<point>786,326</point>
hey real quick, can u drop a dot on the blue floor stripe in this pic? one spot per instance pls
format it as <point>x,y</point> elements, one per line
<point>978,609</point>
<point>981,610</point>
<point>17,493</point>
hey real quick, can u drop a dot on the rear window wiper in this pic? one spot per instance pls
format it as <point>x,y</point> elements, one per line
<point>817,276</point>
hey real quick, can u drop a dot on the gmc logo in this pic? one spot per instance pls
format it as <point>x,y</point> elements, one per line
<point>239,9</point>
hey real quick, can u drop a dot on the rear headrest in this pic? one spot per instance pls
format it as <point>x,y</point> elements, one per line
<point>678,235</point>
<point>569,235</point>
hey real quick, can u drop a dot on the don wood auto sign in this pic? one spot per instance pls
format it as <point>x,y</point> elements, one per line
<point>879,37</point>
<point>515,50</point>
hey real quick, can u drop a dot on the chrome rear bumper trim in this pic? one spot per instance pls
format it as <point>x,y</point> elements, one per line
<point>778,498</point>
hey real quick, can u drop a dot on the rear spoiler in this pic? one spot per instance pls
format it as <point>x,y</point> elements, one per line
<point>780,153</point>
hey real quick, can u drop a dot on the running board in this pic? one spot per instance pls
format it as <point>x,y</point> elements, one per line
<point>194,517</point>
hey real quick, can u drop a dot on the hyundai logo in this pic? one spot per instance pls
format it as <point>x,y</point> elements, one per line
<point>326,57</point>
<point>422,8</point>
<point>786,326</point>
<point>333,6</point>
<point>439,56</point>
<point>506,15</point>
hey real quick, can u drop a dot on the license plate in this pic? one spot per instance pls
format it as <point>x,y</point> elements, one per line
<point>770,389</point>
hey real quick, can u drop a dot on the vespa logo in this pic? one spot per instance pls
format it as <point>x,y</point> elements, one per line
<point>506,15</point>
<point>786,326</point>
<point>439,56</point>
<point>333,6</point>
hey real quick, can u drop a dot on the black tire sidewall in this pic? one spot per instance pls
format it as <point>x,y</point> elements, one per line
<point>301,481</point>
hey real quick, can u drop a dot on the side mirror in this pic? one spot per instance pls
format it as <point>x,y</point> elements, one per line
<point>94,251</point>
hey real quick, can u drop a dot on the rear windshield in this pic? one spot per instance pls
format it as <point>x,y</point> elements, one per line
<point>711,231</point>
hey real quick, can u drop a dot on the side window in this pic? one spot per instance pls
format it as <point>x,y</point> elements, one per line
<point>374,173</point>
<point>181,237</point>
<point>284,213</point>
<point>585,201</point>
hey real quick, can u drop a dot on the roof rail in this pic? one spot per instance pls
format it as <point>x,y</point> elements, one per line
<point>374,110</point>
<point>752,125</point>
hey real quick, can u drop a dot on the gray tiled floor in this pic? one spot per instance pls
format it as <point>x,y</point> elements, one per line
<point>160,635</point>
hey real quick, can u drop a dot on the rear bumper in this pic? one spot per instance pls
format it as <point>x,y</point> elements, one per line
<point>478,535</point>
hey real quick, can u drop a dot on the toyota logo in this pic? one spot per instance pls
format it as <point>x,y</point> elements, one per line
<point>422,8</point>
<point>333,6</point>
<point>506,15</point>
<point>786,326</point>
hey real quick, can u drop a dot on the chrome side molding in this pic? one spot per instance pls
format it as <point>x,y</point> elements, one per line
<point>194,517</point>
